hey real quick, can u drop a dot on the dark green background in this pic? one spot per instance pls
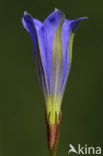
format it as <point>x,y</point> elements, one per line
<point>22,117</point>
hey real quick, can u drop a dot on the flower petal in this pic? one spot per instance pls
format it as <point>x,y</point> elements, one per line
<point>57,61</point>
<point>37,24</point>
<point>46,36</point>
<point>75,23</point>
<point>28,24</point>
<point>68,30</point>
<point>32,25</point>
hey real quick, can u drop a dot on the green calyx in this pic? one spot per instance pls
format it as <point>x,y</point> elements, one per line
<point>53,109</point>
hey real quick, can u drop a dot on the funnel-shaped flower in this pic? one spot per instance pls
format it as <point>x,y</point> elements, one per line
<point>52,42</point>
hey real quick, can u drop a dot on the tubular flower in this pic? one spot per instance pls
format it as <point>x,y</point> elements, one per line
<point>52,42</point>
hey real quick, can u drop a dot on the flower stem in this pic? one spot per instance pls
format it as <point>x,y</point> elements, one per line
<point>53,153</point>
<point>53,135</point>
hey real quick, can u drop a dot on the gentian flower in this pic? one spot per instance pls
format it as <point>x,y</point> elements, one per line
<point>52,42</point>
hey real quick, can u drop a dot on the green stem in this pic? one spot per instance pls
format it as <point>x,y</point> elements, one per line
<point>53,152</point>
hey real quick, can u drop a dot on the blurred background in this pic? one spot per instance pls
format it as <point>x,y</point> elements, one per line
<point>22,116</point>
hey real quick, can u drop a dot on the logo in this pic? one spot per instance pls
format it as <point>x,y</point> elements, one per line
<point>86,150</point>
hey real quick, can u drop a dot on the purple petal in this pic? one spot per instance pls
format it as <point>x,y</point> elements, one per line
<point>75,23</point>
<point>32,25</point>
<point>37,24</point>
<point>46,36</point>
<point>28,24</point>
<point>68,28</point>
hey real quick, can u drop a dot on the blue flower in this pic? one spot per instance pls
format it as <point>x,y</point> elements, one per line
<point>52,42</point>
